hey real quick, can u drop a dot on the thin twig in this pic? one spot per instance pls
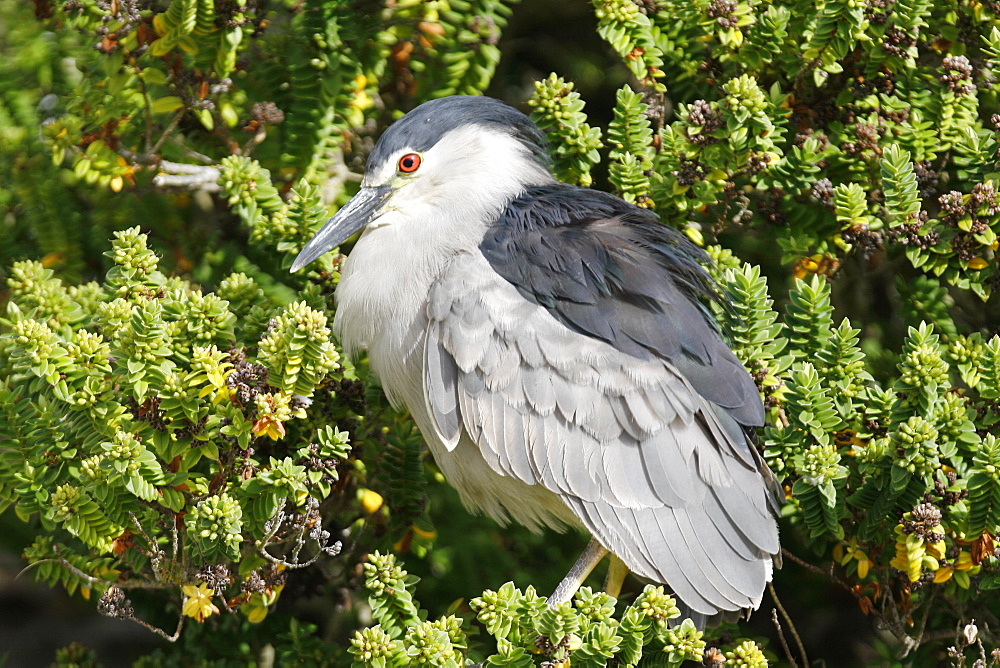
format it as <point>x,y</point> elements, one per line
<point>271,529</point>
<point>32,565</point>
<point>895,628</point>
<point>184,168</point>
<point>174,540</point>
<point>791,627</point>
<point>153,552</point>
<point>177,174</point>
<point>90,579</point>
<point>915,641</point>
<point>80,574</point>
<point>254,140</point>
<point>287,564</point>
<point>160,632</point>
<point>148,133</point>
<point>167,131</point>
<point>138,158</point>
<point>893,624</point>
<point>781,637</point>
<point>190,152</point>
<point>816,569</point>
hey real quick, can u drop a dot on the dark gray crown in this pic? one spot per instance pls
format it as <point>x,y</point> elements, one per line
<point>424,126</point>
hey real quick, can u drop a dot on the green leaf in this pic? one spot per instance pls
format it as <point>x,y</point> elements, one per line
<point>166,105</point>
<point>899,185</point>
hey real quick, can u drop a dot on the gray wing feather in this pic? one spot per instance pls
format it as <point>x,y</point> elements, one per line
<point>665,466</point>
<point>716,562</point>
<point>538,390</point>
<point>737,540</point>
<point>644,543</point>
<point>441,392</point>
<point>514,455</point>
<point>623,481</point>
<point>531,353</point>
<point>472,384</point>
<point>745,515</point>
<point>619,407</point>
<point>559,350</point>
<point>642,459</point>
<point>579,470</point>
<point>645,417</point>
<point>692,555</point>
<point>616,529</point>
<point>602,424</point>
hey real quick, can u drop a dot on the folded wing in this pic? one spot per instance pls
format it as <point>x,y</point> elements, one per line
<point>648,459</point>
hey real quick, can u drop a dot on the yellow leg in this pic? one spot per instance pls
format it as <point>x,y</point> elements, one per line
<point>617,570</point>
<point>592,554</point>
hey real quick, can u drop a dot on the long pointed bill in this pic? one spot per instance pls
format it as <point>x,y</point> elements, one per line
<point>361,210</point>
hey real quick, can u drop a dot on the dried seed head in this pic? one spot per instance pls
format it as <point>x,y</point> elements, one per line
<point>114,603</point>
<point>957,75</point>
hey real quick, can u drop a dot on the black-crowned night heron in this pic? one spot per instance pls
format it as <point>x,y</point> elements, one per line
<point>553,345</point>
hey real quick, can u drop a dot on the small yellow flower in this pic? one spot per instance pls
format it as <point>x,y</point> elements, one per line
<point>198,602</point>
<point>823,264</point>
<point>362,100</point>
<point>849,437</point>
<point>370,501</point>
<point>272,412</point>
<point>961,564</point>
<point>805,266</point>
<point>847,551</point>
<point>215,383</point>
<point>268,426</point>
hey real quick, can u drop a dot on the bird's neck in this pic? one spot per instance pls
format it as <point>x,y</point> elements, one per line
<point>381,302</point>
<point>384,285</point>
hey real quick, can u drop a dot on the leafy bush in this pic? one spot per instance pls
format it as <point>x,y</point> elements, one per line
<point>207,443</point>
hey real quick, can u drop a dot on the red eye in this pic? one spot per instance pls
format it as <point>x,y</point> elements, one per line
<point>409,163</point>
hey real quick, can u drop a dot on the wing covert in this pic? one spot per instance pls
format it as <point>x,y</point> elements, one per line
<point>611,270</point>
<point>644,460</point>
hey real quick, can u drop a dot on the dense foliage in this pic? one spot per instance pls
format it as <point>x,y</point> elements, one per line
<point>174,416</point>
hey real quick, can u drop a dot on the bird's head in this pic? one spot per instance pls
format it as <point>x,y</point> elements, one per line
<point>450,164</point>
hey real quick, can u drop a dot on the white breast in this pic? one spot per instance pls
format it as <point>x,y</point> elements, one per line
<point>381,307</point>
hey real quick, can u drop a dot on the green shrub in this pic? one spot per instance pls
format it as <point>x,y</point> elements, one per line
<point>183,423</point>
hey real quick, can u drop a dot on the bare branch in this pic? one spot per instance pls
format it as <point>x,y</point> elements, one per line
<point>300,522</point>
<point>169,130</point>
<point>781,637</point>
<point>189,177</point>
<point>791,627</point>
<point>90,579</point>
<point>161,632</point>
